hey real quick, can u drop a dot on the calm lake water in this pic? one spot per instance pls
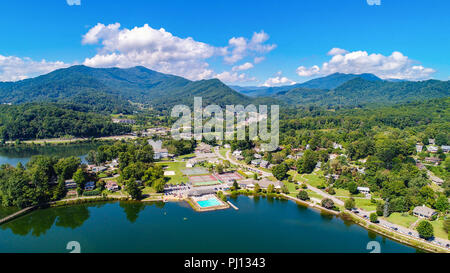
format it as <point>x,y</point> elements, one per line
<point>260,225</point>
<point>14,155</point>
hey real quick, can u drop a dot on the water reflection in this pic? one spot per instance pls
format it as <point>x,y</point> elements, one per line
<point>40,221</point>
<point>132,210</point>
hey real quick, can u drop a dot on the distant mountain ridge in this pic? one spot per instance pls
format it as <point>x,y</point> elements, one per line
<point>328,82</point>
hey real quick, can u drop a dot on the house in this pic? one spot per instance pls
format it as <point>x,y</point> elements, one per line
<point>158,151</point>
<point>432,149</point>
<point>89,186</point>
<point>112,186</point>
<point>203,148</point>
<point>420,166</point>
<point>70,184</point>
<point>424,212</point>
<point>318,165</point>
<point>236,153</point>
<point>364,190</point>
<point>123,121</point>
<point>257,156</point>
<point>361,170</point>
<point>227,146</point>
<point>337,145</point>
<point>264,164</point>
<point>438,181</point>
<point>445,148</point>
<point>434,160</point>
<point>239,157</point>
<point>419,147</point>
<point>255,162</point>
<point>98,169</point>
<point>264,183</point>
<point>431,141</point>
<point>333,156</point>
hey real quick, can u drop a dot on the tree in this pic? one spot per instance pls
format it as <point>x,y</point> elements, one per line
<point>280,171</point>
<point>352,188</point>
<point>373,217</point>
<point>270,188</point>
<point>380,209</point>
<point>327,203</point>
<point>158,185</point>
<point>307,163</point>
<point>442,203</point>
<point>257,188</point>
<point>235,185</point>
<point>303,195</point>
<point>80,177</point>
<point>219,168</point>
<point>133,190</point>
<point>349,203</point>
<point>425,229</point>
<point>66,167</point>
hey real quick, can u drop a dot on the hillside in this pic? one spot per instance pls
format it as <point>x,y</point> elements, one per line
<point>116,87</point>
<point>359,92</point>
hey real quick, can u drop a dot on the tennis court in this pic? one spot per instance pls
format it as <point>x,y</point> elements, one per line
<point>228,177</point>
<point>203,180</point>
<point>195,171</point>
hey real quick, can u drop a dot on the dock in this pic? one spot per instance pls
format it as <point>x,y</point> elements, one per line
<point>15,215</point>
<point>233,206</point>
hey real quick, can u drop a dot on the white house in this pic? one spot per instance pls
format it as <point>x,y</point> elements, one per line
<point>364,190</point>
<point>424,212</point>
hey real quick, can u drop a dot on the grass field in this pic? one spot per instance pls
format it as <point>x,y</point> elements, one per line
<point>179,177</point>
<point>404,220</point>
<point>438,226</point>
<point>181,157</point>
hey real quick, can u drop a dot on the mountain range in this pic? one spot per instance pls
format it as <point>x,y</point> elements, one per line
<point>116,90</point>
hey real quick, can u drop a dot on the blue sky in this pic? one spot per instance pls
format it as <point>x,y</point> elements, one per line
<point>241,42</point>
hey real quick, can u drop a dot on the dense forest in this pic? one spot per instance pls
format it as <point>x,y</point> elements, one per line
<point>46,120</point>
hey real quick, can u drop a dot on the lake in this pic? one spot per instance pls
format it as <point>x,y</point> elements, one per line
<point>260,225</point>
<point>14,155</point>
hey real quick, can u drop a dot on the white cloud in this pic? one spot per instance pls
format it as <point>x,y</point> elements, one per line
<point>234,77</point>
<point>241,47</point>
<point>74,2</point>
<point>278,80</point>
<point>395,66</point>
<point>242,67</point>
<point>13,68</point>
<point>153,48</point>
<point>337,51</point>
<point>160,50</point>
<point>257,60</point>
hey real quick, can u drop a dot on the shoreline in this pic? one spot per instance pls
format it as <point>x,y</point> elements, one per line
<point>344,215</point>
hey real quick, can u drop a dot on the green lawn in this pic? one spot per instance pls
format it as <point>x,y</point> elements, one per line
<point>291,187</point>
<point>438,226</point>
<point>314,179</point>
<point>402,219</point>
<point>223,152</point>
<point>181,157</point>
<point>342,192</point>
<point>179,177</point>
<point>314,194</point>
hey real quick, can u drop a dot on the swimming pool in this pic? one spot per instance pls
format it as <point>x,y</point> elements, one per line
<point>211,202</point>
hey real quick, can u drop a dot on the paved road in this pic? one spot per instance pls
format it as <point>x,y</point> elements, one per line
<point>235,162</point>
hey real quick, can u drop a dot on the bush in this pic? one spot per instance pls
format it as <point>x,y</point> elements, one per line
<point>331,191</point>
<point>373,217</point>
<point>303,195</point>
<point>92,193</point>
<point>425,229</point>
<point>349,203</point>
<point>327,203</point>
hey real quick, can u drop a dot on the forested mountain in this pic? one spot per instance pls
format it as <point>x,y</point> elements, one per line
<point>116,87</point>
<point>48,120</point>
<point>358,92</point>
<point>328,82</point>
